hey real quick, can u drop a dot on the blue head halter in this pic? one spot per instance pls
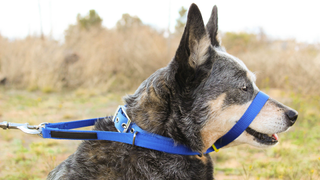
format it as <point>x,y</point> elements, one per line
<point>130,133</point>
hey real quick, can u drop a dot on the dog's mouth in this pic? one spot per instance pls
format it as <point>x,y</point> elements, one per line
<point>263,138</point>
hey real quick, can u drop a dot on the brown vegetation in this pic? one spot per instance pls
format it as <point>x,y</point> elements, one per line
<point>120,59</point>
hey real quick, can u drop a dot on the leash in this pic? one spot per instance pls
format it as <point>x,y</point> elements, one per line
<point>130,133</point>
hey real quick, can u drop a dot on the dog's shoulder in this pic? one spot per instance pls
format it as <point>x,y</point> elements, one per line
<point>81,164</point>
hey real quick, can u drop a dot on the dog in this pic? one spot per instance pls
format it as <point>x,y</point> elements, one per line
<point>195,99</point>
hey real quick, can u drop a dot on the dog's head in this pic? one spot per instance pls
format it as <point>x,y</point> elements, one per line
<point>203,92</point>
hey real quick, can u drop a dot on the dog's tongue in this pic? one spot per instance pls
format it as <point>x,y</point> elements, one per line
<point>275,136</point>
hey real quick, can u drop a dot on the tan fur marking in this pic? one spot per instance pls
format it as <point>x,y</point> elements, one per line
<point>139,117</point>
<point>220,120</point>
<point>153,119</point>
<point>199,53</point>
<point>202,158</point>
<point>146,99</point>
<point>142,97</point>
<point>270,119</point>
<point>209,133</point>
<point>152,95</point>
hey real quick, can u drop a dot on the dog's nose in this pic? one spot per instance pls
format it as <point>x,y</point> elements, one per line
<point>292,115</point>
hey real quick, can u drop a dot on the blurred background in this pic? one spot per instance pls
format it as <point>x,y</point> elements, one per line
<point>69,60</point>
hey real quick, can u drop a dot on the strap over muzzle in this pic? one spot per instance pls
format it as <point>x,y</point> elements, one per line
<point>253,110</point>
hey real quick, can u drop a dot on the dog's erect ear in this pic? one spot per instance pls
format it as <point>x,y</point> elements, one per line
<point>212,27</point>
<point>193,55</point>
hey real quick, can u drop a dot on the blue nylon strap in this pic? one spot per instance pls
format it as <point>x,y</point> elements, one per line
<point>74,124</point>
<point>143,138</point>
<point>244,122</point>
<point>146,139</point>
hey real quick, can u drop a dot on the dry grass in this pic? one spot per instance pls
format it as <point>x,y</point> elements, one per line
<point>98,58</point>
<point>290,69</point>
<point>285,64</point>
<point>120,60</point>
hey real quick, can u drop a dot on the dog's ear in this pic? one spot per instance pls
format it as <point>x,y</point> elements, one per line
<point>212,27</point>
<point>192,55</point>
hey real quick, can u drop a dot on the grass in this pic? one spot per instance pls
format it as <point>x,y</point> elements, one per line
<point>31,157</point>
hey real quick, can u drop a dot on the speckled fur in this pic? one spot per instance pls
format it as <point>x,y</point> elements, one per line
<point>181,101</point>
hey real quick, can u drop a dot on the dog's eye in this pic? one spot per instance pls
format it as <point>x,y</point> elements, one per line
<point>244,88</point>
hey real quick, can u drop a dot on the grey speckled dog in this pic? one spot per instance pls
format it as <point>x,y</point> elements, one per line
<point>195,100</point>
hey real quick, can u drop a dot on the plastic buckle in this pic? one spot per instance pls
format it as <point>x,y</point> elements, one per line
<point>121,120</point>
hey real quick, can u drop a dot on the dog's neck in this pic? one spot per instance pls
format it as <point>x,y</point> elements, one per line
<point>155,108</point>
<point>147,107</point>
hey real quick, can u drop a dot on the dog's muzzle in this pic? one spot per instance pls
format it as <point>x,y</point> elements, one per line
<point>253,110</point>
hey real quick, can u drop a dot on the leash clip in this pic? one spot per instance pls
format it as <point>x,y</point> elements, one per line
<point>26,128</point>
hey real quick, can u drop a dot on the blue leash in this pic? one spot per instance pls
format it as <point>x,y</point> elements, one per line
<point>130,133</point>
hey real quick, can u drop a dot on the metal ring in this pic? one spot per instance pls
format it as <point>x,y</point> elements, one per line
<point>124,126</point>
<point>134,137</point>
<point>117,120</point>
<point>41,125</point>
<point>132,130</point>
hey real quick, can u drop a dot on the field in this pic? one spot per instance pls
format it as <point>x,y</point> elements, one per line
<point>86,76</point>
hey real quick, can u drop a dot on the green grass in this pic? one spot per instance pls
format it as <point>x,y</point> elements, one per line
<point>30,157</point>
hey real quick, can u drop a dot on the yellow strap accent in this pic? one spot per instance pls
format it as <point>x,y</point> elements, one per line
<point>215,149</point>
